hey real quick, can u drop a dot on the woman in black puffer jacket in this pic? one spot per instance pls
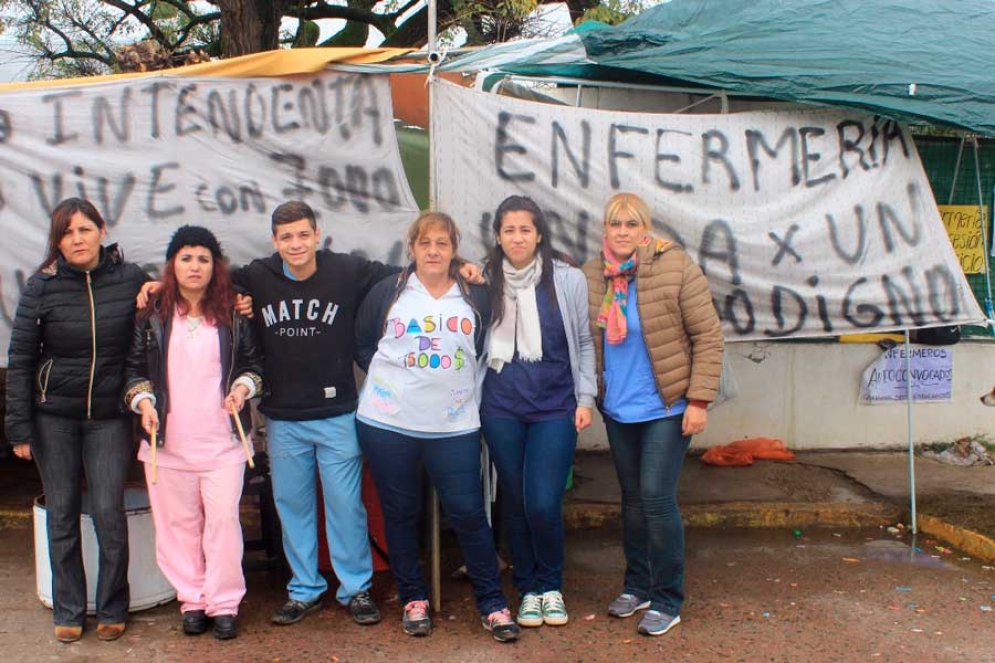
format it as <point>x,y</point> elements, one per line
<point>65,380</point>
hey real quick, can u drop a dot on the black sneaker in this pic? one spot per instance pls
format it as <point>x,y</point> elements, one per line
<point>225,626</point>
<point>416,620</point>
<point>363,609</point>
<point>294,611</point>
<point>195,622</point>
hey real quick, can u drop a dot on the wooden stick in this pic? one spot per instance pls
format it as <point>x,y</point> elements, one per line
<point>154,445</point>
<point>241,434</point>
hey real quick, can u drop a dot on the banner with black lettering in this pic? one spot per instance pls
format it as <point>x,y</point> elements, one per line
<point>156,152</point>
<point>807,222</point>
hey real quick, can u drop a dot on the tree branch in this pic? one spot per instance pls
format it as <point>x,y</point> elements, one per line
<point>199,19</point>
<point>382,22</point>
<point>142,18</point>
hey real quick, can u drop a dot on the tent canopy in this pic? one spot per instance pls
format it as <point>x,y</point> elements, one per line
<point>925,61</point>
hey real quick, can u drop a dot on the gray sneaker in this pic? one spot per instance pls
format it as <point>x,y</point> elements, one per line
<point>626,605</point>
<point>363,609</point>
<point>655,622</point>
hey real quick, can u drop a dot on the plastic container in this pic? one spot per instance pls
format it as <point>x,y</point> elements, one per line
<point>149,587</point>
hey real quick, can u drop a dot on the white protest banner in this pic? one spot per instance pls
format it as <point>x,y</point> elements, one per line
<point>807,223</point>
<point>886,380</point>
<point>156,152</point>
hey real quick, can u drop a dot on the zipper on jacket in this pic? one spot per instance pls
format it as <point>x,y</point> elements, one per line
<point>649,354</point>
<point>93,345</point>
<point>226,387</point>
<point>44,372</point>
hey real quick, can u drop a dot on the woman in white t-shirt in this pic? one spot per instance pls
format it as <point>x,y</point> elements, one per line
<point>419,336</point>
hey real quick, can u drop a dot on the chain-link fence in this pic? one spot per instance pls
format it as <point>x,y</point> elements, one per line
<point>940,159</point>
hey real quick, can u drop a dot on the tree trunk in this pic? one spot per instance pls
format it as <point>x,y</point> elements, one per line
<point>249,26</point>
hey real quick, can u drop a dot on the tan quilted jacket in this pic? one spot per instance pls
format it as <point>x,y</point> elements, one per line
<point>680,327</point>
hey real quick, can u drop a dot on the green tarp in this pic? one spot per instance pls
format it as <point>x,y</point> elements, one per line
<point>918,60</point>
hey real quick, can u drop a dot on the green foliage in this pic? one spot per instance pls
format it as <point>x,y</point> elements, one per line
<point>307,34</point>
<point>613,12</point>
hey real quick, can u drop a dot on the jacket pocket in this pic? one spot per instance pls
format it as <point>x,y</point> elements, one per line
<point>41,379</point>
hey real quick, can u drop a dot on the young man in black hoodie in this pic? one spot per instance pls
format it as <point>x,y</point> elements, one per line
<point>304,303</point>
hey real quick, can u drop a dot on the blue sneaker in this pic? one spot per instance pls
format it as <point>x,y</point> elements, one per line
<point>655,622</point>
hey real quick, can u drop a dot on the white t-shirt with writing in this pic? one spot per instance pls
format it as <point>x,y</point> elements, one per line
<point>423,375</point>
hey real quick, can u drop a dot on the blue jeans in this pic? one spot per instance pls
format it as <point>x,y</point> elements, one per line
<point>300,450</point>
<point>648,459</point>
<point>66,450</point>
<point>453,465</point>
<point>533,461</point>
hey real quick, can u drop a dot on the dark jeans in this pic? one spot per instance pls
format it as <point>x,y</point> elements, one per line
<point>65,449</point>
<point>453,465</point>
<point>533,461</point>
<point>648,458</point>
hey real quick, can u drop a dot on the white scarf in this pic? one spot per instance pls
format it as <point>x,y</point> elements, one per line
<point>520,323</point>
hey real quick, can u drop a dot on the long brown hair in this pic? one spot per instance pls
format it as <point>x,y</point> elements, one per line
<point>216,306</point>
<point>62,216</point>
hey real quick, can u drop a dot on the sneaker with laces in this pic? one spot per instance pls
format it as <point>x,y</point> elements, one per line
<point>294,611</point>
<point>554,610</point>
<point>530,610</point>
<point>501,625</point>
<point>363,609</point>
<point>626,605</point>
<point>416,620</point>
<point>655,622</point>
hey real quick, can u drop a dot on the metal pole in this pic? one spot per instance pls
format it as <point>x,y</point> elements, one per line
<point>434,546</point>
<point>912,454</point>
<point>953,182</point>
<point>989,306</point>
<point>432,23</point>
<point>433,497</point>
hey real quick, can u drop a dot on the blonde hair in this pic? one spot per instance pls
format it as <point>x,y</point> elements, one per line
<point>427,220</point>
<point>631,204</point>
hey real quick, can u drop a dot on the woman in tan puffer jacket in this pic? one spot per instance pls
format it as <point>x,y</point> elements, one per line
<point>658,345</point>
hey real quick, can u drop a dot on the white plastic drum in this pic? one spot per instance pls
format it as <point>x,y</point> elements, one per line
<point>149,587</point>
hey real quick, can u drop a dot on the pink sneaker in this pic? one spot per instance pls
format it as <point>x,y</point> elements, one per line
<point>416,620</point>
<point>501,625</point>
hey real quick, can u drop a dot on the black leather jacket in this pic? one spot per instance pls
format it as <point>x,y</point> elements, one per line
<point>145,368</point>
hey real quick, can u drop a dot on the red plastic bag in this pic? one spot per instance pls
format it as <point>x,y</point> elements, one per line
<point>744,452</point>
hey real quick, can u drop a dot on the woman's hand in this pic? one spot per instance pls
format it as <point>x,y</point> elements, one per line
<point>22,451</point>
<point>472,273</point>
<point>582,418</point>
<point>243,305</point>
<point>146,293</point>
<point>150,418</point>
<point>236,399</point>
<point>695,419</point>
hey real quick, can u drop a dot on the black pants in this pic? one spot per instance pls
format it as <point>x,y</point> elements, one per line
<point>64,449</point>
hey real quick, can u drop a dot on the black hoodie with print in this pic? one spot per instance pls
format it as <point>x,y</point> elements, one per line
<point>306,329</point>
